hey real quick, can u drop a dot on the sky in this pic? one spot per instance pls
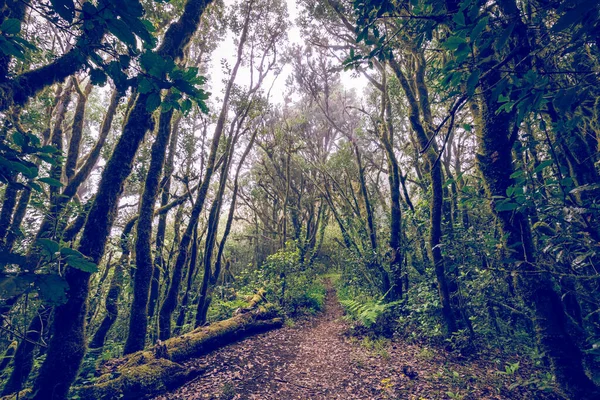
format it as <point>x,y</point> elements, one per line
<point>227,51</point>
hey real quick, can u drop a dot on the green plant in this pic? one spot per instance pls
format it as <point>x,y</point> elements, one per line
<point>368,312</point>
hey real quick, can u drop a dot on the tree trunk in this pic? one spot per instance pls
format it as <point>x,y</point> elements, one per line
<point>67,345</point>
<point>536,288</point>
<point>138,320</point>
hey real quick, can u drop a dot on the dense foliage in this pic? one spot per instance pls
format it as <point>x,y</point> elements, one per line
<point>455,201</point>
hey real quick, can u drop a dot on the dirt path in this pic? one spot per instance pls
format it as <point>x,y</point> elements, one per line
<point>314,359</point>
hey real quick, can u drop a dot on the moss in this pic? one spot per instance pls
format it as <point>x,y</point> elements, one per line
<point>141,374</point>
<point>138,381</point>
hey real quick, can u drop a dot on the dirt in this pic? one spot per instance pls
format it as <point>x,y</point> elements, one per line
<point>317,359</point>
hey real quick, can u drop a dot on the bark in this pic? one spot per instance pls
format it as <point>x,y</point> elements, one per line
<point>8,207</point>
<point>76,131</point>
<point>112,309</point>
<point>23,358</point>
<point>8,355</point>
<point>143,373</point>
<point>17,91</point>
<point>162,220</point>
<point>170,303</point>
<point>67,345</point>
<point>183,308</point>
<point>535,287</point>
<point>138,320</point>
<point>15,226</point>
<point>234,193</point>
<point>387,137</point>
<point>420,120</point>
<point>209,279</point>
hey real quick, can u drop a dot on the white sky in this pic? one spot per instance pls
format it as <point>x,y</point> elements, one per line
<point>227,51</point>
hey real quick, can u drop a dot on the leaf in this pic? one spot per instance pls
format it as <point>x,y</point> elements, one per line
<point>186,105</point>
<point>543,165</point>
<point>145,86</point>
<point>9,48</point>
<point>152,102</point>
<point>481,25</point>
<point>30,173</point>
<point>572,17</point>
<point>51,181</point>
<point>503,38</point>
<point>50,247</point>
<point>459,18</point>
<point>81,263</point>
<point>11,26</point>
<point>52,289</point>
<point>98,77</point>
<point>64,8</point>
<point>18,138</point>
<point>67,251</point>
<point>472,81</point>
<point>506,206</point>
<point>453,42</point>
<point>122,31</point>
<point>13,285</point>
<point>7,258</point>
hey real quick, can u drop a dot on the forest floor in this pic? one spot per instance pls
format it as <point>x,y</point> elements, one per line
<point>316,358</point>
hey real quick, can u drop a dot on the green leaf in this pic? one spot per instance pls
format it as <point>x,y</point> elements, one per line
<point>52,289</point>
<point>476,32</point>
<point>186,105</point>
<point>152,102</point>
<point>572,17</point>
<point>145,86</point>
<point>67,251</point>
<point>517,174</point>
<point>23,169</point>
<point>506,206</point>
<point>64,8</point>
<point>48,149</point>
<point>49,247</point>
<point>9,48</point>
<point>51,181</point>
<point>81,263</point>
<point>472,82</point>
<point>459,18</point>
<point>18,138</point>
<point>11,26</point>
<point>122,31</point>
<point>98,77</point>
<point>13,285</point>
<point>503,38</point>
<point>453,42</point>
<point>543,165</point>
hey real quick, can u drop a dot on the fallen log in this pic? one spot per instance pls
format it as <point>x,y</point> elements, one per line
<point>148,373</point>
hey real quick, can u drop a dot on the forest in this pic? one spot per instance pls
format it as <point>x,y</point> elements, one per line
<point>310,199</point>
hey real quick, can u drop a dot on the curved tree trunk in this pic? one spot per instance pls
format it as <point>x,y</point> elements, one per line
<point>67,345</point>
<point>170,303</point>
<point>138,319</point>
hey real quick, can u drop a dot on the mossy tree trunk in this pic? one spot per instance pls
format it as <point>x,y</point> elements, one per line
<point>161,228</point>
<point>67,345</point>
<point>209,279</point>
<point>138,317</point>
<point>421,120</point>
<point>536,287</point>
<point>170,303</point>
<point>23,357</point>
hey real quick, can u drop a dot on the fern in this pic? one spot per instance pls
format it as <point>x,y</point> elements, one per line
<point>367,313</point>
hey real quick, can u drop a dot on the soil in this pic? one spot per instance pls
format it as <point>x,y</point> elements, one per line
<point>317,359</point>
